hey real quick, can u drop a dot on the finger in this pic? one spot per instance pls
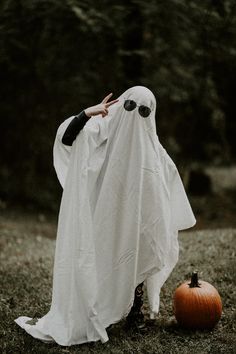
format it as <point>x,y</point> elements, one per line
<point>107,98</point>
<point>105,111</point>
<point>111,103</point>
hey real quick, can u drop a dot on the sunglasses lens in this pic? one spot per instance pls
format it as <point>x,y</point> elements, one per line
<point>144,111</point>
<point>129,105</point>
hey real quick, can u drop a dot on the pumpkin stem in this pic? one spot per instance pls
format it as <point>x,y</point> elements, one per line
<point>194,280</point>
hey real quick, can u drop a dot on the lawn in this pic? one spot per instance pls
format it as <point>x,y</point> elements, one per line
<point>27,250</point>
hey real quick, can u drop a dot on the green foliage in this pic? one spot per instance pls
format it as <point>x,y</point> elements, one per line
<point>59,56</point>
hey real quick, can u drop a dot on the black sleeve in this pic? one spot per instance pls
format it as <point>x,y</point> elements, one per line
<point>73,129</point>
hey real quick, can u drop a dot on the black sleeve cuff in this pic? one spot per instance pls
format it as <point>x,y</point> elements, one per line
<point>73,129</point>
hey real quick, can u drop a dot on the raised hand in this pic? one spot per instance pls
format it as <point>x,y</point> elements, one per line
<point>101,108</point>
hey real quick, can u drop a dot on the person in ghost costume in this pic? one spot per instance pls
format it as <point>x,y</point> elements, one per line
<point>122,206</point>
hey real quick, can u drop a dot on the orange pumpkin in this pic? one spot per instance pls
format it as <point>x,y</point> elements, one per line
<point>197,305</point>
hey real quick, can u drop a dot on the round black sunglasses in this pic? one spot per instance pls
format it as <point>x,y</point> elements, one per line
<point>130,105</point>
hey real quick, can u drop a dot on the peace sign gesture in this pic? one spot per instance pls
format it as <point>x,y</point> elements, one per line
<point>101,108</point>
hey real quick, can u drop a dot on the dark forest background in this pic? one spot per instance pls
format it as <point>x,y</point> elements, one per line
<point>58,57</point>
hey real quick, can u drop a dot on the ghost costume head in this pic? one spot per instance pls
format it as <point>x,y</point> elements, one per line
<point>142,96</point>
<point>122,206</point>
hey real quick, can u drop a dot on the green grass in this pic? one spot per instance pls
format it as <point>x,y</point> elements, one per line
<point>26,279</point>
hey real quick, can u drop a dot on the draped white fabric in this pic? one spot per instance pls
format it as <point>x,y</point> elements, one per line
<point>122,206</point>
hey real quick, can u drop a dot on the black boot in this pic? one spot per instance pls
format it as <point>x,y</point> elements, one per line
<point>135,319</point>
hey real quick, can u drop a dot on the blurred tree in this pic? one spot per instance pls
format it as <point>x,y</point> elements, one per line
<point>59,56</point>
